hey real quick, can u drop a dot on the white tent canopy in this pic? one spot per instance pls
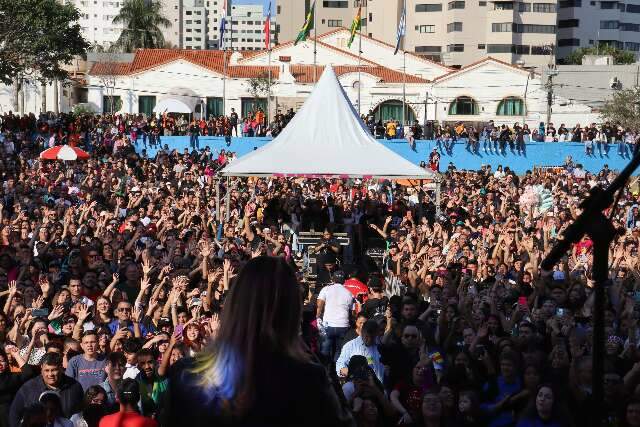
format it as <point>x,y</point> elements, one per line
<point>326,138</point>
<point>171,105</point>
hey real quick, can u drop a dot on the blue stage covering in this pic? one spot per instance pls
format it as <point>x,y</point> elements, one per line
<point>537,153</point>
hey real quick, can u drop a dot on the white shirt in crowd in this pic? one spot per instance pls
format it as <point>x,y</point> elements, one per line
<point>337,304</point>
<point>131,371</point>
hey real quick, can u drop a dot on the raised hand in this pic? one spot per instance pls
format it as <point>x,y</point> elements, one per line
<point>83,312</point>
<point>145,284</point>
<point>214,324</point>
<point>146,267</point>
<point>136,315</point>
<point>37,303</point>
<point>205,248</point>
<point>13,288</point>
<point>57,312</point>
<point>45,285</point>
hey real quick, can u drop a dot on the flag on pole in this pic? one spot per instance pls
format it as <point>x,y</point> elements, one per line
<point>223,24</point>
<point>267,30</point>
<point>307,27</point>
<point>355,26</point>
<point>402,27</point>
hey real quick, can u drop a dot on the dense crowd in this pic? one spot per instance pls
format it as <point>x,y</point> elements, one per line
<point>490,138</point>
<point>115,270</point>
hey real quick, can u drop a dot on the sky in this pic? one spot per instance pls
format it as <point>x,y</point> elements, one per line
<point>265,3</point>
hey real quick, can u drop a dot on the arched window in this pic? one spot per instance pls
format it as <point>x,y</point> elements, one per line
<point>511,106</point>
<point>463,106</point>
<point>392,110</point>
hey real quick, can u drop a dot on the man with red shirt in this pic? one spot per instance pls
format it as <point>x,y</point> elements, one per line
<point>128,397</point>
<point>359,290</point>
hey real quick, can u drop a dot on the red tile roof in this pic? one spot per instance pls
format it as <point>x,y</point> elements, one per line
<point>109,69</point>
<point>146,59</point>
<point>304,73</point>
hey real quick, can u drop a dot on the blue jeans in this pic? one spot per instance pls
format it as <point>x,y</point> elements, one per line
<point>332,341</point>
<point>194,142</point>
<point>603,146</point>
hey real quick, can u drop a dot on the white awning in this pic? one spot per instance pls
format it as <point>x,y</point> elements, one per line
<point>171,105</point>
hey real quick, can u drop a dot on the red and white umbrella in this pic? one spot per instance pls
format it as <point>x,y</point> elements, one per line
<point>64,152</point>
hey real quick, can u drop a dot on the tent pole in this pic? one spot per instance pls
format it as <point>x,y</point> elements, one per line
<point>227,200</point>
<point>315,46</point>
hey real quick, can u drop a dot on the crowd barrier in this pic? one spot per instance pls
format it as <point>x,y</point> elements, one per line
<point>537,154</point>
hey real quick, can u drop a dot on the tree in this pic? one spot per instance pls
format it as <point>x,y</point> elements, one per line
<point>38,38</point>
<point>260,86</point>
<point>623,108</point>
<point>619,56</point>
<point>142,20</point>
<point>109,78</point>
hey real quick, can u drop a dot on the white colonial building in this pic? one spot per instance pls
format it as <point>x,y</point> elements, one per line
<point>488,89</point>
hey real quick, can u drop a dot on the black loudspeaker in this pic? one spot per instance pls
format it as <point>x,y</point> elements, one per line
<point>428,131</point>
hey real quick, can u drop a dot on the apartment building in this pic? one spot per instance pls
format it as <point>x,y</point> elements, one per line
<point>456,33</point>
<point>245,28</point>
<point>196,24</point>
<point>586,23</point>
<point>96,20</point>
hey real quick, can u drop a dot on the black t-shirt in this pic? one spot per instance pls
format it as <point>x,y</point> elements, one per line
<point>374,307</point>
<point>233,118</point>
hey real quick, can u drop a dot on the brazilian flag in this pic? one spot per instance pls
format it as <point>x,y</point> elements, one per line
<point>307,27</point>
<point>355,26</point>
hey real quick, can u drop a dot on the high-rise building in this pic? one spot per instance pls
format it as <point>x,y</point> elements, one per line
<point>245,28</point>
<point>457,32</point>
<point>585,23</point>
<point>196,24</point>
<point>96,20</point>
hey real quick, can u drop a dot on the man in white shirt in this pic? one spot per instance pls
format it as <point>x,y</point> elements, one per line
<point>335,303</point>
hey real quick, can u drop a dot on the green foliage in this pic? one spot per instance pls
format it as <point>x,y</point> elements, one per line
<point>623,108</point>
<point>38,37</point>
<point>619,56</point>
<point>259,86</point>
<point>142,20</point>
<point>82,110</point>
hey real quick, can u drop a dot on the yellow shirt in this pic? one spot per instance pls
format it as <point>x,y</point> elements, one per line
<point>391,128</point>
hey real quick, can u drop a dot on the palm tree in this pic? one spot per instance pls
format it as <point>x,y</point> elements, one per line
<point>142,20</point>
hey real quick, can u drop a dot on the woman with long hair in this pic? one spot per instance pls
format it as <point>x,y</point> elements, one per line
<point>544,410</point>
<point>256,371</point>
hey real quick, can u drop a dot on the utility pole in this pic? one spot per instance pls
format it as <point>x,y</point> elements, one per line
<point>549,85</point>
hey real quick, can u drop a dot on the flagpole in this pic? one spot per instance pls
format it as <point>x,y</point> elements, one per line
<point>315,44</point>
<point>269,89</point>
<point>224,82</point>
<point>268,41</point>
<point>404,85</point>
<point>359,65</point>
